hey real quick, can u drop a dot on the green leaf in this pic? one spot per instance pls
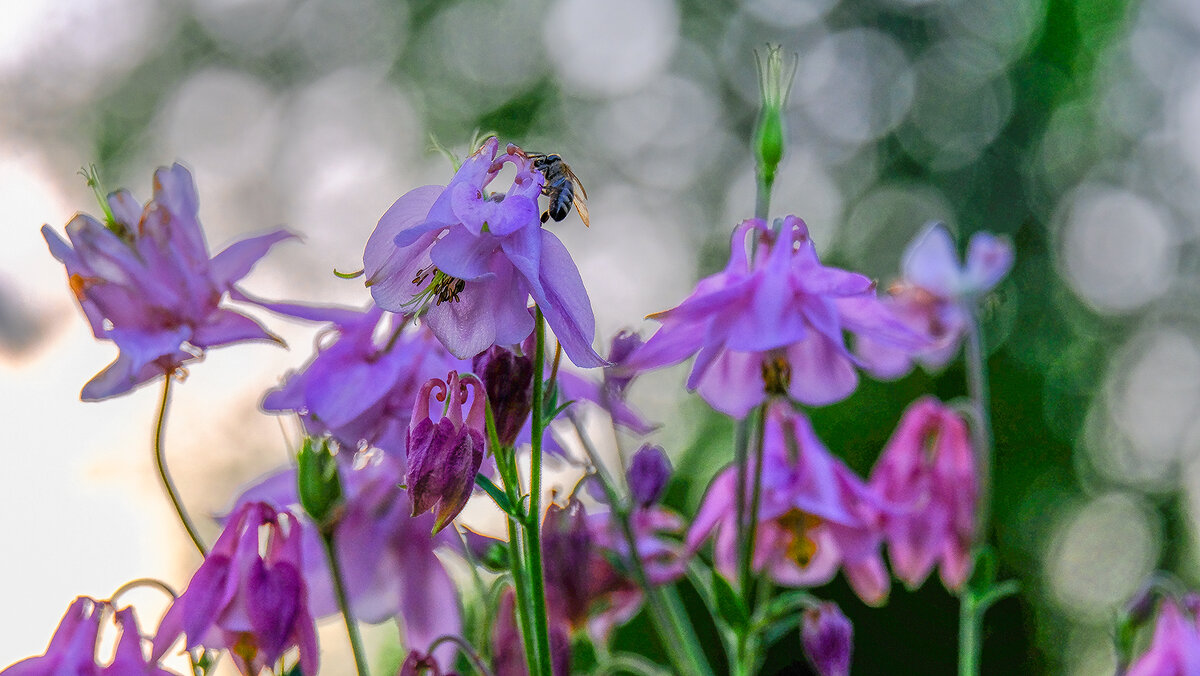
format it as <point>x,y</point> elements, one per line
<point>497,495</point>
<point>730,606</point>
<point>783,607</point>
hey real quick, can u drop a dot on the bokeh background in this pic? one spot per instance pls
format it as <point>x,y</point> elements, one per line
<point>1071,127</point>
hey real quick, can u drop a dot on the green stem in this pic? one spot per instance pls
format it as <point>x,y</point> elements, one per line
<point>533,539</point>
<point>516,558</point>
<point>161,462</point>
<point>750,526</point>
<point>466,649</point>
<point>970,609</point>
<point>741,457</point>
<point>339,590</point>
<point>676,632</point>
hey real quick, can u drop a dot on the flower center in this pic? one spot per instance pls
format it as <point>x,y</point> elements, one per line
<point>802,547</point>
<point>777,375</point>
<point>442,288</point>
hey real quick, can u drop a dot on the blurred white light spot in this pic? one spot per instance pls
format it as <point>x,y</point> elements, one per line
<point>223,123</point>
<point>803,187</point>
<point>856,85</point>
<point>1118,250</point>
<point>1154,395</point>
<point>1007,25</point>
<point>1099,554</point>
<point>665,132</point>
<point>883,222</point>
<point>1185,115</point>
<point>248,26</point>
<point>503,50</point>
<point>360,33</point>
<point>610,48</point>
<point>788,12</point>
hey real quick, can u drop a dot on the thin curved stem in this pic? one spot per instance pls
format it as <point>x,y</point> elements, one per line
<point>143,582</point>
<point>161,463</point>
<point>339,590</point>
<point>466,649</point>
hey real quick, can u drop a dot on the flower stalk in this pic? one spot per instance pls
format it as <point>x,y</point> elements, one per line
<point>161,463</point>
<point>339,590</point>
<point>532,530</point>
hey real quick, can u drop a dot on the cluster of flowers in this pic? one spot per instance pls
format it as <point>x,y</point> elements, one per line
<point>451,270</point>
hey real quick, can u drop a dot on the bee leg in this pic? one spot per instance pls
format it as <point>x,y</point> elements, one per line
<point>545,216</point>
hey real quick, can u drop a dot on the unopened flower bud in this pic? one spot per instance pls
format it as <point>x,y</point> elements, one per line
<point>649,472</point>
<point>623,345</point>
<point>444,456</point>
<point>775,82</point>
<point>508,380</point>
<point>320,488</point>
<point>828,639</point>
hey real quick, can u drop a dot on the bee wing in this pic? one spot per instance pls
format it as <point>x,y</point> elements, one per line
<point>581,207</point>
<point>574,179</point>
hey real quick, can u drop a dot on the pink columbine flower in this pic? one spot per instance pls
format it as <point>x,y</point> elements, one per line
<point>1175,648</point>
<point>443,457</point>
<point>772,325</point>
<point>248,596</point>
<point>815,515</point>
<point>471,259</point>
<point>72,649</point>
<point>936,297</point>
<point>388,558</point>
<point>928,467</point>
<point>145,281</point>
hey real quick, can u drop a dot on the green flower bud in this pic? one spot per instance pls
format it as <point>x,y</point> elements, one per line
<point>320,486</point>
<point>774,84</point>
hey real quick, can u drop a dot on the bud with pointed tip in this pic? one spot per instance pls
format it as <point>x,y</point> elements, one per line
<point>828,639</point>
<point>508,379</point>
<point>649,472</point>
<point>770,137</point>
<point>443,457</point>
<point>320,487</point>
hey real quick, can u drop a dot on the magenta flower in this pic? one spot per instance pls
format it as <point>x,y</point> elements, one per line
<point>772,325</point>
<point>470,259</point>
<point>936,298</point>
<point>359,388</point>
<point>828,639</point>
<point>1175,648</point>
<point>814,514</point>
<point>929,468</point>
<point>444,457</point>
<point>72,649</point>
<point>248,596</point>
<point>387,557</point>
<point>145,281</point>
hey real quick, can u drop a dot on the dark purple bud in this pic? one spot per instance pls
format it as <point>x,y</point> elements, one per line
<point>649,472</point>
<point>828,639</point>
<point>1140,608</point>
<point>567,550</point>
<point>508,380</point>
<point>623,345</point>
<point>420,664</point>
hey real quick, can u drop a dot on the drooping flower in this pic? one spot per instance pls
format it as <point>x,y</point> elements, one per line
<point>814,514</point>
<point>145,281</point>
<point>359,388</point>
<point>928,467</point>
<point>444,457</point>
<point>420,664</point>
<point>72,649</point>
<point>248,596</point>
<point>828,639</point>
<point>1175,648</point>
<point>936,297</point>
<point>772,325</point>
<point>471,259</point>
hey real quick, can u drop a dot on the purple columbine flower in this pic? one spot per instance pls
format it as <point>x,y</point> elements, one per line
<point>145,281</point>
<point>72,649</point>
<point>928,468</point>
<point>360,385</point>
<point>387,557</point>
<point>936,298</point>
<point>470,259</point>
<point>248,596</point>
<point>814,514</point>
<point>772,325</point>
<point>444,457</point>
<point>1175,648</point>
<point>828,639</point>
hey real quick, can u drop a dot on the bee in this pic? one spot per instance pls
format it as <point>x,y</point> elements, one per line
<point>562,186</point>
